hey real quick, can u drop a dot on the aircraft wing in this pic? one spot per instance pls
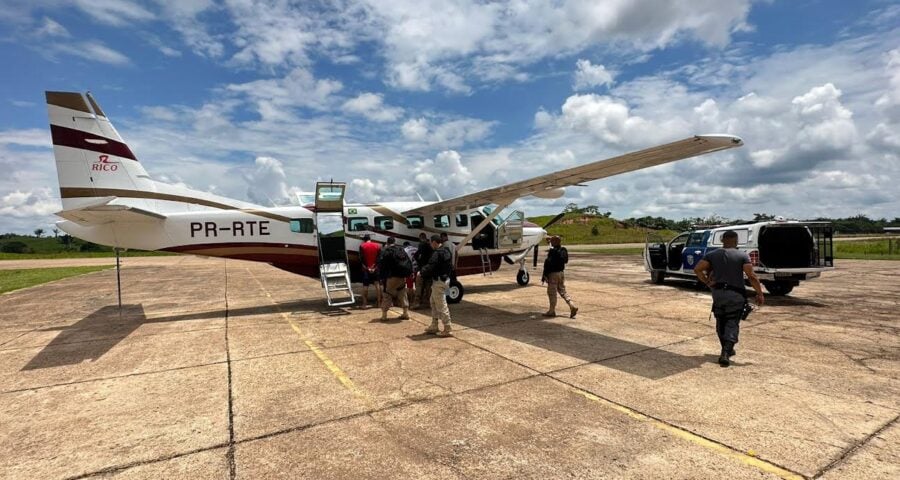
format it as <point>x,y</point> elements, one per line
<point>103,212</point>
<point>545,185</point>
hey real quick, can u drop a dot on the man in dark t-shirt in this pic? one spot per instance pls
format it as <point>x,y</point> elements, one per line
<point>723,270</point>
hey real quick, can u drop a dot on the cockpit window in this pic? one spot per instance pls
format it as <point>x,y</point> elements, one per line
<point>488,209</point>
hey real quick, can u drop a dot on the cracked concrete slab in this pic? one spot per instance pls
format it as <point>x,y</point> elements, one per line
<point>209,464</point>
<point>750,406</point>
<point>76,429</point>
<point>537,428</point>
<point>879,458</point>
<point>114,357</point>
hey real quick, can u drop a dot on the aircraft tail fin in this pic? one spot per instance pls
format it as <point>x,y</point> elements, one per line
<point>92,160</point>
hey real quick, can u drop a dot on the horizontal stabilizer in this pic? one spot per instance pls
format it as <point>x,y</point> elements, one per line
<point>103,213</point>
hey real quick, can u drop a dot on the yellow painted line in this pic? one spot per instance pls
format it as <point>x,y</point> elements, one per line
<point>329,364</point>
<point>745,458</point>
<point>332,367</point>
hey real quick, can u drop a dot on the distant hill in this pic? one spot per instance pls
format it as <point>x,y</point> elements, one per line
<point>581,228</point>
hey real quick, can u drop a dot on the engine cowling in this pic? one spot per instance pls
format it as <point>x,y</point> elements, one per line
<point>550,193</point>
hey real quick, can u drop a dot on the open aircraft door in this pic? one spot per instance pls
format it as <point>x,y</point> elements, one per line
<point>509,234</point>
<point>333,269</point>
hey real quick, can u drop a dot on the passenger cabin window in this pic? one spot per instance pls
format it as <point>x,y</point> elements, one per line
<point>357,224</point>
<point>302,225</point>
<point>743,235</point>
<point>462,220</point>
<point>415,221</point>
<point>442,221</point>
<point>695,240</point>
<point>384,223</point>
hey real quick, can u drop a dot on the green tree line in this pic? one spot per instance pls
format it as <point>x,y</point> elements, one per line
<point>857,224</point>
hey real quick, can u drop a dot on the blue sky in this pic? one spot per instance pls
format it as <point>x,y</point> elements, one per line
<point>257,100</point>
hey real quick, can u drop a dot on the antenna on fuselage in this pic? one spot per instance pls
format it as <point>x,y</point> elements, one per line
<point>438,195</point>
<point>420,197</point>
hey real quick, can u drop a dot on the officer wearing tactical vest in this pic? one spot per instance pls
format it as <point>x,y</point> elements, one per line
<point>395,266</point>
<point>555,277</point>
<point>437,272</point>
<point>727,266</point>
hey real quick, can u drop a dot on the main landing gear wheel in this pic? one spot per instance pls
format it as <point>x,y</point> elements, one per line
<point>455,292</point>
<point>523,277</point>
<point>657,276</point>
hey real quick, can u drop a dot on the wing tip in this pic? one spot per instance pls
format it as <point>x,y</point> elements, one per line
<point>722,139</point>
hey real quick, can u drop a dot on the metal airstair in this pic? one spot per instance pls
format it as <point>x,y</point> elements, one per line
<point>335,278</point>
<point>333,269</point>
<point>485,262</point>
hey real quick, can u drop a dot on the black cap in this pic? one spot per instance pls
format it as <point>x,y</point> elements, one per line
<point>436,238</point>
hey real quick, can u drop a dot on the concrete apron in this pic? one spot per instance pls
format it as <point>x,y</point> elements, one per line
<point>231,369</point>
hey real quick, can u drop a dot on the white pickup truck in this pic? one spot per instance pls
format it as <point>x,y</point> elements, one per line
<point>783,253</point>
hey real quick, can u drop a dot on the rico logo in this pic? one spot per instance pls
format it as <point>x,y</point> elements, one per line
<point>103,164</point>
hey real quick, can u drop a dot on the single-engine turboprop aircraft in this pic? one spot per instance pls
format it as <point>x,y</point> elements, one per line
<point>108,198</point>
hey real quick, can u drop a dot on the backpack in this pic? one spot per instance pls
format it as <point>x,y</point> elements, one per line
<point>402,264</point>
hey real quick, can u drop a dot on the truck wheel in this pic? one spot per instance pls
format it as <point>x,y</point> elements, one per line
<point>657,276</point>
<point>778,288</point>
<point>455,292</point>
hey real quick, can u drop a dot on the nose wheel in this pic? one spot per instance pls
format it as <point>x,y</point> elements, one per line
<point>523,277</point>
<point>455,291</point>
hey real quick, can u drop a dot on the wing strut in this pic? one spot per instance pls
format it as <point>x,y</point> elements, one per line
<point>478,228</point>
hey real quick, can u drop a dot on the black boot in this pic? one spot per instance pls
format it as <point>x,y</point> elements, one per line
<point>723,358</point>
<point>728,349</point>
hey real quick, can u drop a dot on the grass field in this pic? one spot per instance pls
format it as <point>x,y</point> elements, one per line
<point>883,249</point>
<point>51,255</point>
<point>16,279</point>
<point>608,230</point>
<point>613,251</point>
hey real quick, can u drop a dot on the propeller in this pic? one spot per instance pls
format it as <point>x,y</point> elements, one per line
<point>554,220</point>
<point>535,255</point>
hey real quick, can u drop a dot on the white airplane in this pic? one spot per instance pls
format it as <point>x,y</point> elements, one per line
<point>108,198</point>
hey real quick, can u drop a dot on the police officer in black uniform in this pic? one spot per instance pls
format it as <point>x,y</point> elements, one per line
<point>723,270</point>
<point>423,287</point>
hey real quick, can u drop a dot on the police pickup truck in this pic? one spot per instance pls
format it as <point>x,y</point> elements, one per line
<point>783,253</point>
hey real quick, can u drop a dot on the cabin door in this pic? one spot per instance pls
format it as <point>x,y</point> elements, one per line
<point>333,269</point>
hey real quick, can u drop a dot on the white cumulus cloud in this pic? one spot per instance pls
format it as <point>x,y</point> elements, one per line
<point>371,106</point>
<point>588,75</point>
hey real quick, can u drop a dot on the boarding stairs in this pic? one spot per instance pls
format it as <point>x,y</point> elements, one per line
<point>485,262</point>
<point>335,278</point>
<point>333,266</point>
